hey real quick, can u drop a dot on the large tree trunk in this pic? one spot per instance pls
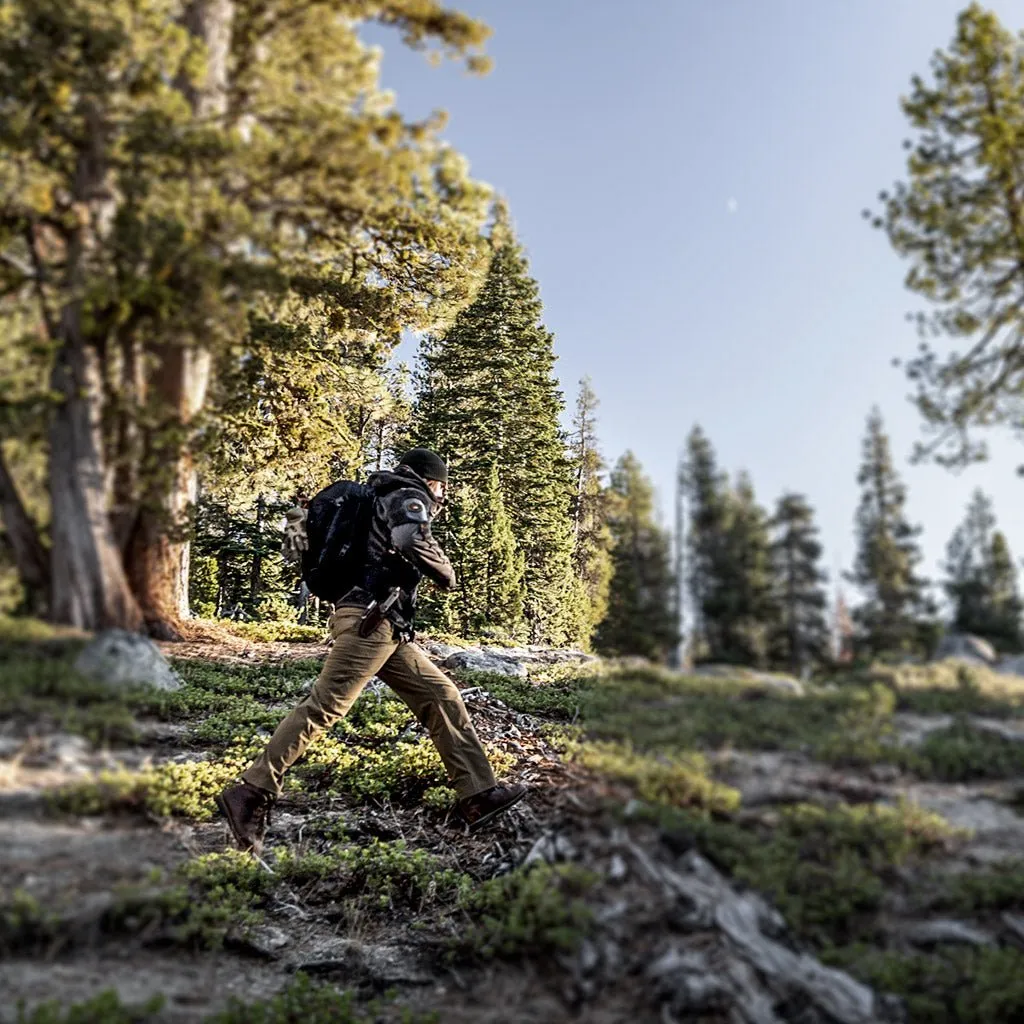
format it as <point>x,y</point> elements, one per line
<point>31,558</point>
<point>158,552</point>
<point>88,585</point>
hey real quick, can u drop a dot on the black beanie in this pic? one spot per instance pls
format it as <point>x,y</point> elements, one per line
<point>426,463</point>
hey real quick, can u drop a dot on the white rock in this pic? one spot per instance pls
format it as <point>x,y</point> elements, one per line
<point>967,647</point>
<point>478,661</point>
<point>121,659</point>
<point>438,650</point>
<point>267,938</point>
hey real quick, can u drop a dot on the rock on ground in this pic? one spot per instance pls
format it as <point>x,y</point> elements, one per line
<point>121,659</point>
<point>967,647</point>
<point>478,661</point>
<point>508,661</point>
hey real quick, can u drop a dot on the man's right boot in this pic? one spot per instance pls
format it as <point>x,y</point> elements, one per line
<point>477,810</point>
<point>247,809</point>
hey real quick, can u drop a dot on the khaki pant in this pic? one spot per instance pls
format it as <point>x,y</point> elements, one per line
<point>352,662</point>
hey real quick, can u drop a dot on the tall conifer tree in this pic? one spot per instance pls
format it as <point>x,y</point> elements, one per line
<point>981,578</point>
<point>592,537</point>
<point>801,637</point>
<point>890,620</point>
<point>640,619</point>
<point>747,610</point>
<point>706,488</point>
<point>487,396</point>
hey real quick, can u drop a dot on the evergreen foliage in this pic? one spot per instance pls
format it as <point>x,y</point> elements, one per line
<point>748,612</point>
<point>487,397</point>
<point>640,620</point>
<point>981,579</point>
<point>212,222</point>
<point>237,570</point>
<point>891,620</point>
<point>801,637</point>
<point>591,551</point>
<point>730,573</point>
<point>957,218</point>
<point>706,488</point>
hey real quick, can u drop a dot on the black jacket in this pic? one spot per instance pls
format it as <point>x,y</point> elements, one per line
<point>400,548</point>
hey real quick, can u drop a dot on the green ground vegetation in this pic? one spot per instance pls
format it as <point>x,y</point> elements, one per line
<point>301,1000</point>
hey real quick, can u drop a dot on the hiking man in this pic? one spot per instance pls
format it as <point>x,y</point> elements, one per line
<point>397,550</point>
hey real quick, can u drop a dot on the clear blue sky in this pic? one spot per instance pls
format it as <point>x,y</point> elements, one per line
<point>687,177</point>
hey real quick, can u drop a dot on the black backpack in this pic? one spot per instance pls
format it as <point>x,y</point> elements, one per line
<point>337,531</point>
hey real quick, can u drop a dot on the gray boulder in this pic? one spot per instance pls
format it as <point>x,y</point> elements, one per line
<point>966,647</point>
<point>539,655</point>
<point>475,660</point>
<point>438,650</point>
<point>121,660</point>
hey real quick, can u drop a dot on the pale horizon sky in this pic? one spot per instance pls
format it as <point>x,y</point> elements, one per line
<point>687,179</point>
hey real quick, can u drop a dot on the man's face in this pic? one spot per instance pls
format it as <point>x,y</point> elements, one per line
<point>437,489</point>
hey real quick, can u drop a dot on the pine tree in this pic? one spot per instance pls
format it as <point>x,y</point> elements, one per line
<point>185,170</point>
<point>706,488</point>
<point>238,569</point>
<point>802,636</point>
<point>747,613</point>
<point>890,621</point>
<point>981,578</point>
<point>1007,631</point>
<point>957,220</point>
<point>640,619</point>
<point>487,396</point>
<point>592,538</point>
<point>483,550</point>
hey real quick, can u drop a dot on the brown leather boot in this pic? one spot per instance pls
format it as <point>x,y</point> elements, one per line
<point>480,808</point>
<point>247,809</point>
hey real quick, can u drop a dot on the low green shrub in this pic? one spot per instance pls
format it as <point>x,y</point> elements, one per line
<point>963,752</point>
<point>439,798</point>
<point>303,1002</point>
<point>24,924</point>
<point>997,888</point>
<point>679,780</point>
<point>105,1008</point>
<point>391,875</point>
<point>827,870</point>
<point>184,789</point>
<point>558,699</point>
<point>536,911</point>
<point>948,986</point>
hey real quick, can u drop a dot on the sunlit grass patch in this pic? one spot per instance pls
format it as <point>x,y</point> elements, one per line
<point>180,789</point>
<point>675,780</point>
<point>948,687</point>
